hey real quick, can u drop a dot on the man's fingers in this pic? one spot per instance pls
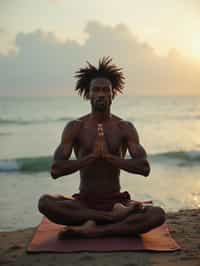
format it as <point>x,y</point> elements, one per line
<point>100,129</point>
<point>101,146</point>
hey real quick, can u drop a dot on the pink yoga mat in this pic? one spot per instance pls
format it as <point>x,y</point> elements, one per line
<point>45,240</point>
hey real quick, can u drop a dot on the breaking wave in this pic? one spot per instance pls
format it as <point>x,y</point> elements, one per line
<point>43,163</point>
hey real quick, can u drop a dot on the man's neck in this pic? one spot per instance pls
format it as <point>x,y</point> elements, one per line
<point>100,117</point>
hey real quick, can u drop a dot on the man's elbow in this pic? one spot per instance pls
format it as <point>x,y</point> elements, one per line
<point>54,172</point>
<point>146,168</point>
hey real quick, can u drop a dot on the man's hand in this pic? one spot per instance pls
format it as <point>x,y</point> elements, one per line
<point>97,147</point>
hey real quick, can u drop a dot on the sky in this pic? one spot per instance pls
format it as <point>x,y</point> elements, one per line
<point>43,43</point>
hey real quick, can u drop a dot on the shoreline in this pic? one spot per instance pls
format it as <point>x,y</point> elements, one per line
<point>184,226</point>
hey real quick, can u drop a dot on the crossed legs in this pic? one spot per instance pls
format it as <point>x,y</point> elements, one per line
<point>82,221</point>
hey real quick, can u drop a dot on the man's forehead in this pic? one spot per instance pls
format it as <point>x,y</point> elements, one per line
<point>100,82</point>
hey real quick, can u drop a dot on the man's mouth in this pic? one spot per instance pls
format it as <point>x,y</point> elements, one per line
<point>100,104</point>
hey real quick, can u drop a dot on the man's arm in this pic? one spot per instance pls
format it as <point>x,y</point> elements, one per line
<point>138,164</point>
<point>62,165</point>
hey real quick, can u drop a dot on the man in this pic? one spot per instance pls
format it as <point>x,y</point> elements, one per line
<point>100,141</point>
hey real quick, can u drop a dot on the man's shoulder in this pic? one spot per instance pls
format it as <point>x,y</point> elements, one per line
<point>73,125</point>
<point>127,127</point>
<point>123,123</point>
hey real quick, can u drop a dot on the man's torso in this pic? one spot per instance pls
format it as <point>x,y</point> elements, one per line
<point>100,177</point>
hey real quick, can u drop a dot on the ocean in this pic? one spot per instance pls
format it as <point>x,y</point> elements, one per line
<point>30,131</point>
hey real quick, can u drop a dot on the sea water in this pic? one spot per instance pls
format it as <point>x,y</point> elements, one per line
<point>30,131</point>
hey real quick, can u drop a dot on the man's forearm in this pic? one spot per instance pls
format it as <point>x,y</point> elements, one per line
<point>138,166</point>
<point>66,167</point>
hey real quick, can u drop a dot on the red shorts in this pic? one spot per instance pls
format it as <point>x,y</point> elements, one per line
<point>103,202</point>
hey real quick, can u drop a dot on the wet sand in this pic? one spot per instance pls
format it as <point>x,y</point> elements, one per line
<point>184,227</point>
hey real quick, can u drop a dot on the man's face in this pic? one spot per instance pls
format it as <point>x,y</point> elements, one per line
<point>100,94</point>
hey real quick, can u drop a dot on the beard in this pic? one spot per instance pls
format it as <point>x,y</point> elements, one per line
<point>100,106</point>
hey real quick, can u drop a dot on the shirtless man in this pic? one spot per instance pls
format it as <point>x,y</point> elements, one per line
<point>100,141</point>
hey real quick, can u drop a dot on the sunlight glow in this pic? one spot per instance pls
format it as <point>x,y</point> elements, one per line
<point>195,45</point>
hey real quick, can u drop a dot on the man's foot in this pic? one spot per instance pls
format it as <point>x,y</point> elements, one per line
<point>85,230</point>
<point>136,205</point>
<point>121,211</point>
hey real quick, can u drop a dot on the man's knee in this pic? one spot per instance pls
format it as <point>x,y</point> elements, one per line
<point>43,203</point>
<point>157,216</point>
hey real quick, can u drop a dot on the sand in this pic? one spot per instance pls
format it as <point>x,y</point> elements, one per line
<point>184,227</point>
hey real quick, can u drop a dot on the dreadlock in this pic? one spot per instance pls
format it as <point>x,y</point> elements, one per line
<point>104,70</point>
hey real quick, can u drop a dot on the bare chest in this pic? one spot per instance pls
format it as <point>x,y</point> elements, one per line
<point>112,134</point>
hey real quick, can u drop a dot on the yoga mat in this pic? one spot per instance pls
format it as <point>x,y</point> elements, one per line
<point>45,240</point>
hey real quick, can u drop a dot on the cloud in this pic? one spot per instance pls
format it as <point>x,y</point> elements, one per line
<point>44,65</point>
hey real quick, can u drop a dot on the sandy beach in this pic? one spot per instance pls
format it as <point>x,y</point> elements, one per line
<point>184,226</point>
